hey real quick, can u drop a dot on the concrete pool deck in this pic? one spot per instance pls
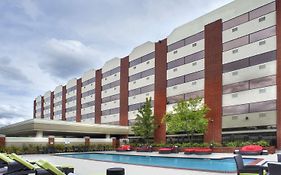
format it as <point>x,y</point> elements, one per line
<point>91,167</point>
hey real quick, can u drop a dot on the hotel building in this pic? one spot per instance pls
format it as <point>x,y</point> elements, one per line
<point>231,57</point>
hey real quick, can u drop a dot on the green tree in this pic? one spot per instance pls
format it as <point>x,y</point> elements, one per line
<point>188,116</point>
<point>144,125</point>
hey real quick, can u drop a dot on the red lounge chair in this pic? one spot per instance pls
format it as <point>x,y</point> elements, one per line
<point>165,150</point>
<point>144,149</point>
<point>124,148</point>
<point>173,149</point>
<point>199,151</point>
<point>188,151</point>
<point>251,150</point>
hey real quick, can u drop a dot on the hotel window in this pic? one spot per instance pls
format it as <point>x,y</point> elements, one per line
<point>235,110</point>
<point>262,11</point>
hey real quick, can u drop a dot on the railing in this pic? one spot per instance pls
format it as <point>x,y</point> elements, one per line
<point>19,141</point>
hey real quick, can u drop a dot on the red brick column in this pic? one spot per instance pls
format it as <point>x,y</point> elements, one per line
<point>63,103</point>
<point>78,100</point>
<point>98,97</point>
<point>160,97</point>
<point>51,140</point>
<point>213,80</point>
<point>124,74</point>
<point>278,76</point>
<point>87,141</point>
<point>2,140</point>
<point>42,107</point>
<point>34,109</point>
<point>114,142</point>
<point>52,106</point>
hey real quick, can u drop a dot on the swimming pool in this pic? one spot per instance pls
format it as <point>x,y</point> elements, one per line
<point>219,165</point>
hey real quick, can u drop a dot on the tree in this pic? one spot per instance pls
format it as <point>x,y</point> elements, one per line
<point>189,117</point>
<point>144,125</point>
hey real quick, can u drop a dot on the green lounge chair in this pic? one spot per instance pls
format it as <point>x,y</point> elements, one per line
<point>49,167</point>
<point>23,167</point>
<point>4,160</point>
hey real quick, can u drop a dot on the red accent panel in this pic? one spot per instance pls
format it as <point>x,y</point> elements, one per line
<point>213,80</point>
<point>34,109</point>
<point>124,91</point>
<point>160,100</point>
<point>78,100</point>
<point>63,101</point>
<point>98,97</point>
<point>2,141</point>
<point>42,107</point>
<point>278,77</point>
<point>52,106</point>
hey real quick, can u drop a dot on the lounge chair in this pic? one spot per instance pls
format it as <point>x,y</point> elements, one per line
<point>274,168</point>
<point>198,151</point>
<point>124,148</point>
<point>4,160</point>
<point>241,168</point>
<point>168,150</point>
<point>144,148</point>
<point>22,167</point>
<point>52,169</point>
<point>251,150</point>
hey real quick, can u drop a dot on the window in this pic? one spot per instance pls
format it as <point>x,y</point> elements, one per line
<point>175,81</point>
<point>235,110</point>
<point>262,10</point>
<point>236,43</point>
<point>262,19</point>
<point>175,99</point>
<point>236,21</point>
<point>87,82</point>
<point>175,63</point>
<point>234,95</point>
<point>176,45</point>
<point>235,29</point>
<point>263,58</point>
<point>262,67</point>
<point>236,87</point>
<point>263,34</point>
<point>262,43</point>
<point>236,65</point>
<point>263,106</point>
<point>194,76</point>
<point>263,82</point>
<point>192,39</point>
<point>194,63</point>
<point>194,57</point>
<point>235,51</point>
<point>195,94</point>
<point>262,91</point>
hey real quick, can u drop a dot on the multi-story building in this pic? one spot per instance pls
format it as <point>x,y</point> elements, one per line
<point>110,92</point>
<point>48,105</point>
<point>231,57</point>
<point>88,96</point>
<point>141,78</point>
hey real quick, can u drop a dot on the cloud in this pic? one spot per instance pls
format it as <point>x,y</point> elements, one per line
<point>67,58</point>
<point>45,44</point>
<point>11,114</point>
<point>31,9</point>
<point>9,73</point>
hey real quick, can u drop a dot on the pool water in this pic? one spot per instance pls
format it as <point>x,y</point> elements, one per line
<point>220,165</point>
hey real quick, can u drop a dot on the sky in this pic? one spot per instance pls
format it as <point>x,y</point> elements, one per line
<point>45,43</point>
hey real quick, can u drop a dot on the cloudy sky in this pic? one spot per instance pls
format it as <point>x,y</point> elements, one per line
<point>44,43</point>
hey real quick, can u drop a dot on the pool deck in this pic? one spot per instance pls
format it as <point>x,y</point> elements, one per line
<point>91,167</point>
